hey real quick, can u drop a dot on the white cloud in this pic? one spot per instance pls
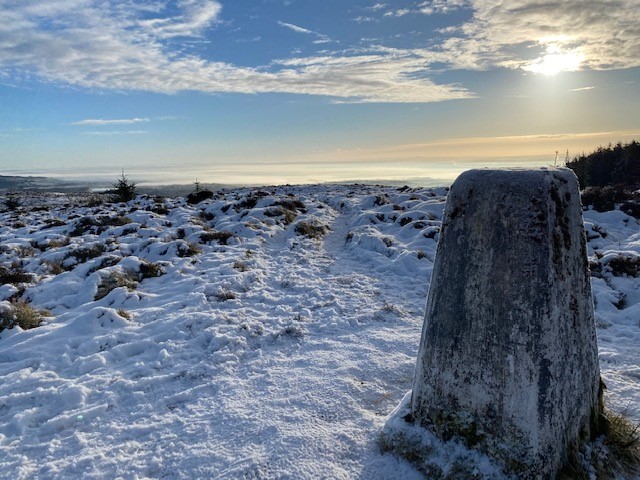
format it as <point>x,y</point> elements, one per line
<point>398,13</point>
<point>441,6</point>
<point>123,121</point>
<point>364,19</point>
<point>296,28</point>
<point>197,15</point>
<point>321,38</point>
<point>376,7</point>
<point>518,33</point>
<point>581,89</point>
<point>123,45</point>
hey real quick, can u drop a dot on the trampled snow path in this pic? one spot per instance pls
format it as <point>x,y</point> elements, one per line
<point>270,355</point>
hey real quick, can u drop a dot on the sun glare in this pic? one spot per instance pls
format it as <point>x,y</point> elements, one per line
<point>555,62</point>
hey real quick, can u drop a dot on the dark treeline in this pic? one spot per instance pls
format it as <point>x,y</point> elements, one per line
<point>613,165</point>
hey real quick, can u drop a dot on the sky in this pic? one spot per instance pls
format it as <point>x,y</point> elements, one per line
<point>295,91</point>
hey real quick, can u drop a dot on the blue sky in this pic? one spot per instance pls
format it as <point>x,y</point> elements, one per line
<point>293,91</point>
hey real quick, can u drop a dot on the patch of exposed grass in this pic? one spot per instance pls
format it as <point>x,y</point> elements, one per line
<point>188,250</point>
<point>224,295</point>
<point>57,243</point>
<point>625,265</point>
<point>11,203</point>
<point>249,202</point>
<point>240,266</point>
<point>292,204</point>
<point>115,280</point>
<point>13,275</point>
<point>311,230</point>
<point>21,314</point>
<point>149,270</point>
<point>95,200</point>
<point>221,237</point>
<point>98,224</point>
<point>53,222</point>
<point>199,196</point>
<point>114,221</point>
<point>87,253</point>
<point>54,267</point>
<point>615,454</point>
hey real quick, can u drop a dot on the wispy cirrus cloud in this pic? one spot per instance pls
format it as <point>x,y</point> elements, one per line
<point>377,6</point>
<point>99,121</point>
<point>320,38</point>
<point>581,89</point>
<point>430,7</point>
<point>196,16</point>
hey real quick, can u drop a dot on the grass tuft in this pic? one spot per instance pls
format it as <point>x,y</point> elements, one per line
<point>115,280</point>
<point>614,454</point>
<point>13,276</point>
<point>21,314</point>
<point>311,230</point>
<point>221,237</point>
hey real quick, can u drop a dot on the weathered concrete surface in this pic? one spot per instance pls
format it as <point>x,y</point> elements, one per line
<point>508,356</point>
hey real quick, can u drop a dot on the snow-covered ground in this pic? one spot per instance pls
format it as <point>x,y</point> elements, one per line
<point>264,333</point>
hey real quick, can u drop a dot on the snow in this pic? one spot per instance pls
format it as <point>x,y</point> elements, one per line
<point>216,341</point>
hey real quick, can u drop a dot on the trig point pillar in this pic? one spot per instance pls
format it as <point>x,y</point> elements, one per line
<point>508,358</point>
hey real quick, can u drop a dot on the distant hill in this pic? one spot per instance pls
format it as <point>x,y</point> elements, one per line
<point>43,184</point>
<point>48,184</point>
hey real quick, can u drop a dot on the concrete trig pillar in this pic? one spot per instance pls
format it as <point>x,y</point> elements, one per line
<point>508,358</point>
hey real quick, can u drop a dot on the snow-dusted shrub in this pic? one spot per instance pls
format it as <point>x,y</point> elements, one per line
<point>87,253</point>
<point>602,199</point>
<point>149,270</point>
<point>22,314</point>
<point>631,207</point>
<point>311,229</point>
<point>249,202</point>
<point>614,454</point>
<point>11,203</point>
<point>221,237</point>
<point>114,220</point>
<point>115,280</point>
<point>224,295</point>
<point>188,250</point>
<point>13,275</point>
<point>63,242</point>
<point>95,200</point>
<point>292,204</point>
<point>96,225</point>
<point>240,266</point>
<point>199,196</point>
<point>53,222</point>
<point>54,267</point>
<point>624,265</point>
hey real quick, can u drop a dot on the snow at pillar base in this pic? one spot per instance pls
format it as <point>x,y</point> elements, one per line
<point>508,357</point>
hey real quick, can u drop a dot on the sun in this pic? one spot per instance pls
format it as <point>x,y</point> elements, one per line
<point>555,61</point>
